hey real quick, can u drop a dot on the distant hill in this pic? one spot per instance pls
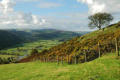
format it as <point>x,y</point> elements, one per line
<point>52,34</point>
<point>23,35</point>
<point>85,44</point>
<point>10,38</point>
<point>82,32</point>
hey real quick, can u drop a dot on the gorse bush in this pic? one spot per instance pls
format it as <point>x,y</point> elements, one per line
<point>34,51</point>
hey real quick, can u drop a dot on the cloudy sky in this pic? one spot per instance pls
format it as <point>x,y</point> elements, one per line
<point>58,14</point>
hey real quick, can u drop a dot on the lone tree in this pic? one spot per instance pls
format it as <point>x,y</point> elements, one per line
<point>100,20</point>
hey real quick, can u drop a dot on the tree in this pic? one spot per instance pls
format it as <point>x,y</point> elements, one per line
<point>1,61</point>
<point>100,20</point>
<point>34,51</point>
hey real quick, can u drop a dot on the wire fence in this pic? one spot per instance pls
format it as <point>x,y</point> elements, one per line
<point>112,46</point>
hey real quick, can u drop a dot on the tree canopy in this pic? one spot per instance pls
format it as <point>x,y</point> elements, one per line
<point>100,20</point>
<point>34,51</point>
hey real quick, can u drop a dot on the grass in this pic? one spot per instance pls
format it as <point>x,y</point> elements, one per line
<point>27,47</point>
<point>104,68</point>
<point>107,30</point>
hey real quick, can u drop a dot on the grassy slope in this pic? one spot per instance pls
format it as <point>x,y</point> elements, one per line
<point>104,68</point>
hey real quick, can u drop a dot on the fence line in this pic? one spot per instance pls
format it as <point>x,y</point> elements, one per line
<point>113,45</point>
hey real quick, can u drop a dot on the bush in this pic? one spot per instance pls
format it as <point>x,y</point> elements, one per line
<point>34,51</point>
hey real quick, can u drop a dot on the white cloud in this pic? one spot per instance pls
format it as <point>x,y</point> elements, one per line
<point>6,6</point>
<point>68,21</point>
<point>95,6</point>
<point>9,17</point>
<point>36,20</point>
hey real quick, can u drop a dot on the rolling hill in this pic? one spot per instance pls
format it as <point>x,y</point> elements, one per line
<point>10,38</point>
<point>86,44</point>
<point>52,34</point>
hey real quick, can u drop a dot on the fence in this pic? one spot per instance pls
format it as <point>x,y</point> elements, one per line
<point>102,47</point>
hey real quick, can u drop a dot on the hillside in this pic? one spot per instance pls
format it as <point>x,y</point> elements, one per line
<point>104,68</point>
<point>52,34</point>
<point>45,34</point>
<point>86,44</point>
<point>10,38</point>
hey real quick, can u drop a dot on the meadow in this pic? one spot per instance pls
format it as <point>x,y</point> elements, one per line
<point>105,68</point>
<point>23,50</point>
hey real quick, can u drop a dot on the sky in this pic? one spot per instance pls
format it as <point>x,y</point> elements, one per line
<point>71,15</point>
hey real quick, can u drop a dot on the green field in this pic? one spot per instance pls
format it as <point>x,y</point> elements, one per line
<point>104,68</point>
<point>6,56</point>
<point>27,47</point>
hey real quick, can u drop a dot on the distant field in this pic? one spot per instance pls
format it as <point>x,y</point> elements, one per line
<point>6,56</point>
<point>104,68</point>
<point>27,47</point>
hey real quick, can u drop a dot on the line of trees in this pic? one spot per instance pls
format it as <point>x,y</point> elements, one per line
<point>7,60</point>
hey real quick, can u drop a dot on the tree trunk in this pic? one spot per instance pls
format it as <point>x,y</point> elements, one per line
<point>99,27</point>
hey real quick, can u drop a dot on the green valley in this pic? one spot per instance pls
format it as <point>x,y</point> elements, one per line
<point>12,38</point>
<point>25,48</point>
<point>22,42</point>
<point>59,40</point>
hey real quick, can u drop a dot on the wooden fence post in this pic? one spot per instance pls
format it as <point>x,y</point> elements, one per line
<point>48,59</point>
<point>61,59</point>
<point>99,49</point>
<point>85,56</point>
<point>44,59</point>
<point>75,59</point>
<point>117,48</point>
<point>57,59</point>
<point>68,58</point>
